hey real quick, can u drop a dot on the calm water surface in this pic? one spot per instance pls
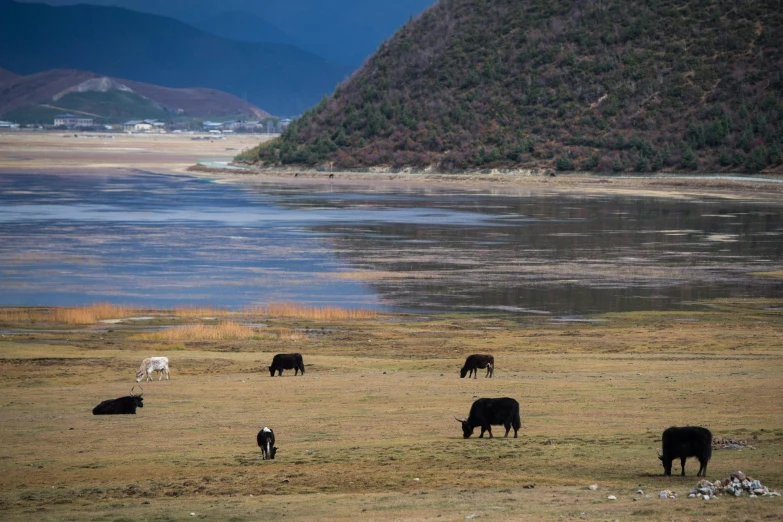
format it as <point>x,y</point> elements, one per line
<point>165,241</point>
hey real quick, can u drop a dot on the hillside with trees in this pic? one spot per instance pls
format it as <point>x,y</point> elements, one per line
<point>595,85</point>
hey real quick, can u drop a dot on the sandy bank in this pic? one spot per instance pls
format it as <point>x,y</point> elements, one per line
<point>663,185</point>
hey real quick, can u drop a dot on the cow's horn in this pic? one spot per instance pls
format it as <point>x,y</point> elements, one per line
<point>133,388</point>
<point>460,420</point>
<point>142,391</point>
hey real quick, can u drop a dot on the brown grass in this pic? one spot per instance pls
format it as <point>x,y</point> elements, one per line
<point>201,311</point>
<point>375,410</point>
<point>223,331</point>
<point>319,313</point>
<point>81,315</point>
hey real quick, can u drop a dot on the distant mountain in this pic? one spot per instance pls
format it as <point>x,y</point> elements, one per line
<point>116,42</point>
<point>6,75</point>
<point>243,27</point>
<point>343,31</point>
<point>613,85</point>
<point>37,98</point>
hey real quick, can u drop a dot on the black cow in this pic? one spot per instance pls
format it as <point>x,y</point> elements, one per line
<point>266,441</point>
<point>120,406</point>
<point>681,443</point>
<point>286,361</point>
<point>486,412</point>
<point>474,362</point>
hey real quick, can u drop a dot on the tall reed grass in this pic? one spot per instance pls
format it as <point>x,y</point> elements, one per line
<point>88,314</point>
<point>200,311</point>
<point>319,313</point>
<point>224,331</point>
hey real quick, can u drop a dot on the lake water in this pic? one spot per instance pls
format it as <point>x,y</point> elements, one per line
<point>163,241</point>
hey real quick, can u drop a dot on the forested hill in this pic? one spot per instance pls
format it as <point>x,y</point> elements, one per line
<point>595,85</point>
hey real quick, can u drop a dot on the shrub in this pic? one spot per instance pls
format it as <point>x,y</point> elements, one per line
<point>689,159</point>
<point>564,163</point>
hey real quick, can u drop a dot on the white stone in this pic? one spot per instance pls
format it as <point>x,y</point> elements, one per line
<point>592,487</point>
<point>611,497</point>
<point>706,497</point>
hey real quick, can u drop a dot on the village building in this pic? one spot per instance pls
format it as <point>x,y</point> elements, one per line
<point>71,121</point>
<point>144,126</point>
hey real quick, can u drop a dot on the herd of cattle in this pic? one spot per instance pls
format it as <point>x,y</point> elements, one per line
<point>676,442</point>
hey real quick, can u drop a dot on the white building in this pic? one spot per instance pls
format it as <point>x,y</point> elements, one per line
<point>70,121</point>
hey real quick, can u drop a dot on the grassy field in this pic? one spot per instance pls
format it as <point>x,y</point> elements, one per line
<point>369,432</point>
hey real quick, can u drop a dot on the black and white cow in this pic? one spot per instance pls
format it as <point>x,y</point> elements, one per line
<point>476,361</point>
<point>266,441</point>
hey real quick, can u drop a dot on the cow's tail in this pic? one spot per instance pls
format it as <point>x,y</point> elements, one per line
<point>516,421</point>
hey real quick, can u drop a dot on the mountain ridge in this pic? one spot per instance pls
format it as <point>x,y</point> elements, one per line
<point>607,86</point>
<point>48,86</point>
<point>163,51</point>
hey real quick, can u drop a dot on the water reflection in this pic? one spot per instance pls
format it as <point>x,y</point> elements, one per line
<point>165,241</point>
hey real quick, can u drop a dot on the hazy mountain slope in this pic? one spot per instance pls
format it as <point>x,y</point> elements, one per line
<point>51,87</point>
<point>344,31</point>
<point>6,75</point>
<point>152,49</point>
<point>243,26</point>
<point>611,85</point>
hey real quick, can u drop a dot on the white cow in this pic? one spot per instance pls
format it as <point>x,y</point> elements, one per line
<point>153,364</point>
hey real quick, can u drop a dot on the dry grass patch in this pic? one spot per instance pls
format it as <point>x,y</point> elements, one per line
<point>80,315</point>
<point>370,417</point>
<point>223,331</point>
<point>777,274</point>
<point>319,313</point>
<point>190,312</point>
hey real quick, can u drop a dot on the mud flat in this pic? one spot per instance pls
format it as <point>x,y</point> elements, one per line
<point>368,432</point>
<point>104,153</point>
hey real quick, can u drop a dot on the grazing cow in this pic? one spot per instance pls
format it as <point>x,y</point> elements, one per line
<point>153,364</point>
<point>474,362</point>
<point>486,412</point>
<point>121,406</point>
<point>286,361</point>
<point>266,441</point>
<point>684,442</point>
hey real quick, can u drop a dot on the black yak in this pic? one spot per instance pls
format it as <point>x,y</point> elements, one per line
<point>266,441</point>
<point>474,362</point>
<point>286,361</point>
<point>486,412</point>
<point>120,406</point>
<point>684,442</point>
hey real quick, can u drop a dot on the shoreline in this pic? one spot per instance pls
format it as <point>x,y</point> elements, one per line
<point>168,154</point>
<point>665,185</point>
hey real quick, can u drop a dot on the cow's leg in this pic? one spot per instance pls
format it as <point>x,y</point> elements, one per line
<point>508,428</point>
<point>702,469</point>
<point>682,463</point>
<point>167,373</point>
<point>489,429</point>
<point>475,372</point>
<point>482,432</point>
<point>160,375</point>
